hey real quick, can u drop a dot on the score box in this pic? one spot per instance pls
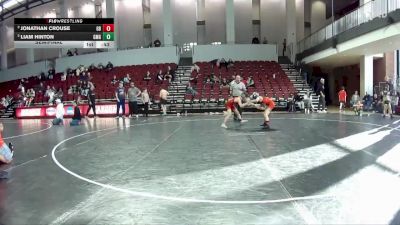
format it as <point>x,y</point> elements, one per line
<point>108,27</point>
<point>108,36</point>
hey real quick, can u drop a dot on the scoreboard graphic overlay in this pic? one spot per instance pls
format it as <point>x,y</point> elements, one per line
<point>64,33</point>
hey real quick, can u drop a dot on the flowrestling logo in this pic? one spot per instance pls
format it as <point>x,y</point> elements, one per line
<point>50,111</point>
<point>30,112</point>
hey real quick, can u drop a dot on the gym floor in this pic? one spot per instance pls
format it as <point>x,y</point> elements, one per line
<point>308,169</point>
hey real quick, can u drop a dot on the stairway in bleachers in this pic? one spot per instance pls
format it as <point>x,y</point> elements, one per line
<point>299,83</point>
<point>177,88</point>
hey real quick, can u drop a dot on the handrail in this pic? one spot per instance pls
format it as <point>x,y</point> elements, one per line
<point>364,13</point>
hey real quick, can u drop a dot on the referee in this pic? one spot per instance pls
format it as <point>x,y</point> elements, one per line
<point>237,88</point>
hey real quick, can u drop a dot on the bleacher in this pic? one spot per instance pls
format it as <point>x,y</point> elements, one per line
<point>100,78</point>
<point>210,95</point>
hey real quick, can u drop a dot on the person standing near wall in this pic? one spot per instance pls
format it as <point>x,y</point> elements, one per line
<point>146,102</point>
<point>133,94</point>
<point>321,95</point>
<point>120,96</point>
<point>342,99</point>
<point>91,99</point>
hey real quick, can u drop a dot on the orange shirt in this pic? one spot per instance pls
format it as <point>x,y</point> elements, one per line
<point>1,140</point>
<point>268,102</point>
<point>342,96</point>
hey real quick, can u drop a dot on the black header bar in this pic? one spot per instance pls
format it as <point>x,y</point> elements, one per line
<point>65,36</point>
<point>47,21</point>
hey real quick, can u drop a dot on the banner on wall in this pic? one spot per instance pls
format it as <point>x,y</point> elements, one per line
<point>50,111</point>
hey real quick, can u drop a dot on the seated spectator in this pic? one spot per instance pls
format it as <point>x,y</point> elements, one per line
<point>265,41</point>
<point>114,80</point>
<point>127,79</point>
<point>232,79</point>
<point>6,151</point>
<point>92,67</point>
<point>50,94</point>
<point>291,103</point>
<point>224,83</point>
<point>76,119</point>
<point>51,73</point>
<point>355,98</point>
<point>168,76</point>
<point>255,40</point>
<point>59,94</point>
<point>375,102</point>
<point>30,96</point>
<point>4,102</point>
<point>109,66</point>
<point>76,51</point>
<point>147,77</point>
<point>195,67</point>
<point>230,63</point>
<point>59,113</point>
<point>194,79</point>
<point>190,90</point>
<point>64,77</point>
<point>157,43</point>
<point>69,53</point>
<point>70,90</point>
<point>358,106</point>
<point>100,66</point>
<point>250,82</point>
<point>298,99</point>
<point>160,76</point>
<point>21,88</point>
<point>367,102</point>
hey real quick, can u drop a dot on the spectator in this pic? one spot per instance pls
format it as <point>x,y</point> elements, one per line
<point>4,102</point>
<point>342,99</point>
<point>100,66</point>
<point>307,103</point>
<point>367,101</point>
<point>231,63</point>
<point>51,73</point>
<point>147,76</point>
<point>30,95</point>
<point>127,79</point>
<point>321,96</point>
<point>284,47</point>
<point>6,153</point>
<point>64,77</point>
<point>298,99</point>
<point>157,43</point>
<point>194,79</point>
<point>114,80</point>
<point>255,40</point>
<point>91,96</point>
<point>291,103</point>
<point>109,66</point>
<point>250,82</point>
<point>120,96</point>
<point>69,53</point>
<point>163,101</point>
<point>195,67</point>
<point>59,113</point>
<point>76,51</point>
<point>190,90</point>
<point>168,76</point>
<point>91,67</point>
<point>146,102</point>
<point>21,88</point>
<point>387,107</point>
<point>355,98</point>
<point>50,94</point>
<point>160,76</point>
<point>358,106</point>
<point>265,41</point>
<point>375,102</point>
<point>224,83</point>
<point>133,94</point>
<point>59,94</point>
<point>76,119</point>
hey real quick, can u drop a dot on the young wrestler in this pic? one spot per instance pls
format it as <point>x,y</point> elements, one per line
<point>230,107</point>
<point>266,105</point>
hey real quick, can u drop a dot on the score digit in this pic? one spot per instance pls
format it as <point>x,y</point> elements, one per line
<point>108,27</point>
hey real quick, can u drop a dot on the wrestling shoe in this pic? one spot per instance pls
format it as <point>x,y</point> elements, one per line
<point>244,121</point>
<point>224,126</point>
